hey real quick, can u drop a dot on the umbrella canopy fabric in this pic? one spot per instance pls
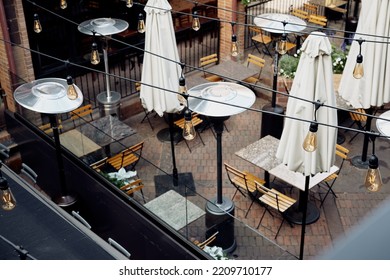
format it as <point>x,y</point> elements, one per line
<point>314,82</point>
<point>161,69</point>
<point>373,89</point>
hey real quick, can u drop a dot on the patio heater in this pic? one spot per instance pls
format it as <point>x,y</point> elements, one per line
<point>52,96</point>
<point>109,101</point>
<point>219,101</point>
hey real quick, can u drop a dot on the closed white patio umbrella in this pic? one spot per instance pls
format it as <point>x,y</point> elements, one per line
<point>161,67</point>
<point>314,82</point>
<point>373,89</point>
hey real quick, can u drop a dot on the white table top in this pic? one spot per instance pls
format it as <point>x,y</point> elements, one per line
<point>273,23</point>
<point>383,126</point>
<point>297,179</point>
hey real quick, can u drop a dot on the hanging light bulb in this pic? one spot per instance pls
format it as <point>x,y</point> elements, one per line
<point>234,45</point>
<point>182,91</point>
<point>141,24</point>
<point>310,142</point>
<point>63,4</point>
<point>8,201</point>
<point>358,71</point>
<point>95,57</point>
<point>281,48</point>
<point>188,129</point>
<point>373,181</point>
<point>71,93</point>
<point>129,3</point>
<point>195,21</point>
<point>37,24</point>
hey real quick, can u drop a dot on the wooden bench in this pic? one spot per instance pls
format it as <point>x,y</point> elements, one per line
<point>274,199</point>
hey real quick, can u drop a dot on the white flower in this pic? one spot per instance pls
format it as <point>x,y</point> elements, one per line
<point>341,62</point>
<point>334,64</point>
<point>281,71</point>
<point>215,252</point>
<point>122,174</point>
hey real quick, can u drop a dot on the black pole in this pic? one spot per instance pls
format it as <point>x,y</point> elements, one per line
<point>275,80</point>
<point>272,124</point>
<point>305,198</point>
<point>174,171</point>
<point>366,139</point>
<point>218,127</point>
<point>65,199</point>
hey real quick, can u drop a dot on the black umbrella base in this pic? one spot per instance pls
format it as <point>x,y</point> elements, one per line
<point>164,136</point>
<point>357,162</point>
<point>185,185</point>
<point>295,216</point>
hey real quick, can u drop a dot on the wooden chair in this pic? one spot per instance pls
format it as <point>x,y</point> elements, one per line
<point>275,200</point>
<point>328,182</point>
<point>207,61</point>
<point>260,38</point>
<point>81,112</point>
<point>244,182</point>
<point>358,119</point>
<point>257,61</point>
<point>127,158</point>
<point>300,14</point>
<point>195,122</point>
<point>132,187</point>
<point>98,165</point>
<point>138,89</point>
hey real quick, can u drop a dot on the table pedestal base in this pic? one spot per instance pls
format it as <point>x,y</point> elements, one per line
<point>294,214</point>
<point>357,162</point>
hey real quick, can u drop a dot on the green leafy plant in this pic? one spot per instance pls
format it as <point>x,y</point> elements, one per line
<point>245,2</point>
<point>288,64</point>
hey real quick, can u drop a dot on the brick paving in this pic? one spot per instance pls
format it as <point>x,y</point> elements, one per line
<point>338,215</point>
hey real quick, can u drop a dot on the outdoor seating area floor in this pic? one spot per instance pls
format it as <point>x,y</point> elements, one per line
<point>337,216</point>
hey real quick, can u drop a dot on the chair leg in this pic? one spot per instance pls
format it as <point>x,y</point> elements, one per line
<point>143,197</point>
<point>147,118</point>
<point>250,206</point>
<point>265,210</point>
<point>281,224</point>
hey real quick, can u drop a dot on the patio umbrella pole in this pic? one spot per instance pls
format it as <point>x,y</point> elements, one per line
<point>65,199</point>
<point>174,171</point>
<point>360,161</point>
<point>305,198</point>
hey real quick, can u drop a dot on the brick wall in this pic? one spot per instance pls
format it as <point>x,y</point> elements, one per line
<point>17,34</point>
<point>227,15</point>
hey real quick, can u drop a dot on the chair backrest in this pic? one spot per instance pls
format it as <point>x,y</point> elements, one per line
<point>46,128</point>
<point>256,60</point>
<point>205,243</point>
<point>342,152</point>
<point>300,13</point>
<point>310,8</point>
<point>273,198</point>
<point>137,86</point>
<point>319,20</point>
<point>207,60</point>
<point>132,187</point>
<point>238,178</point>
<point>254,30</point>
<point>358,117</point>
<point>81,112</point>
